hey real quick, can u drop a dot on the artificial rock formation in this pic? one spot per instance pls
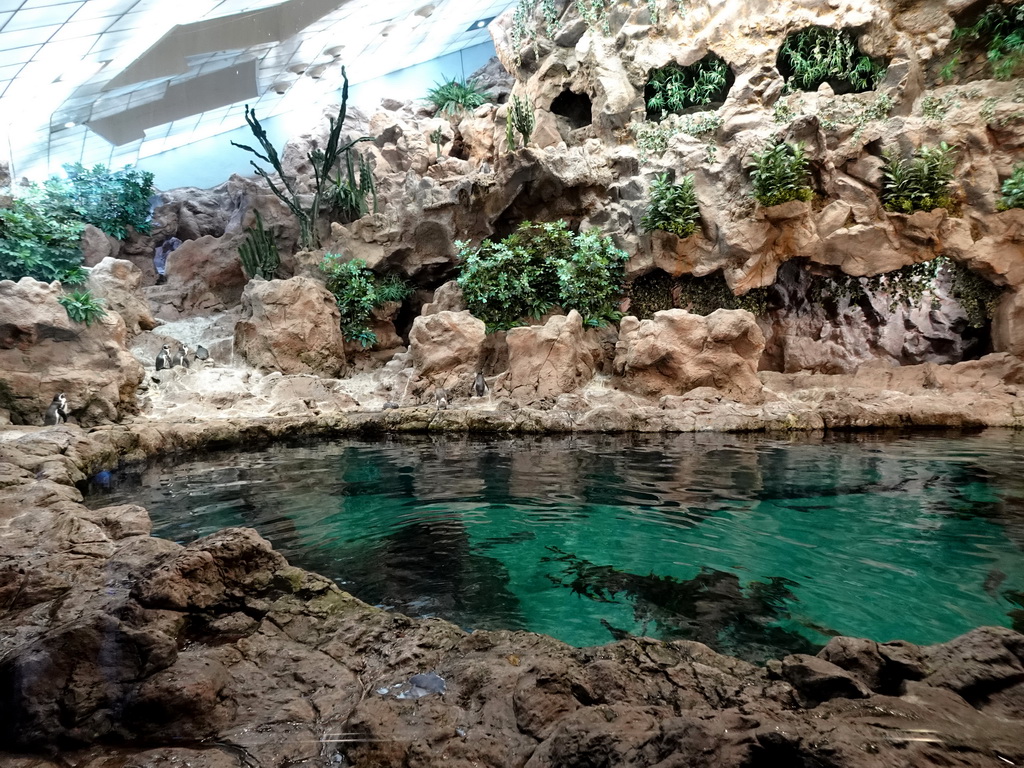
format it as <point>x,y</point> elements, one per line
<point>446,347</point>
<point>117,282</point>
<point>551,359</point>
<point>43,352</point>
<point>291,326</point>
<point>676,351</point>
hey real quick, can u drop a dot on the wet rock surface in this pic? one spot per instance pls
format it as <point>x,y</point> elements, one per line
<point>117,649</point>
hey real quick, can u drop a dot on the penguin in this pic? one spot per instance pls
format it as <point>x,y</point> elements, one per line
<point>479,385</point>
<point>441,398</point>
<point>57,412</point>
<point>181,357</point>
<point>389,406</point>
<point>202,353</point>
<point>163,360</point>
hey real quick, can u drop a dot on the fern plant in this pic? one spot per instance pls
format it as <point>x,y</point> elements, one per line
<point>453,97</point>
<point>520,119</point>
<point>673,207</point>
<point>817,55</point>
<point>82,307</point>
<point>780,173</point>
<point>1013,190</point>
<point>259,251</point>
<point>673,89</point>
<point>921,183</point>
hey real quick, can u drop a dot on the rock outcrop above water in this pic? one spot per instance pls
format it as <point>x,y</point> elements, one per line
<point>43,352</point>
<point>138,651</point>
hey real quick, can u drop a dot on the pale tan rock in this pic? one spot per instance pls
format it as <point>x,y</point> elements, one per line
<point>447,298</point>
<point>676,351</point>
<point>118,282</point>
<point>446,346</point>
<point>42,352</point>
<point>291,326</point>
<point>204,276</point>
<point>551,359</point>
<point>97,245</point>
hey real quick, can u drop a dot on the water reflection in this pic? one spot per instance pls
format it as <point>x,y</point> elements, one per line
<point>752,544</point>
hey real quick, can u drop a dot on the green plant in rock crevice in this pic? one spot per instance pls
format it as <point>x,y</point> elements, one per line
<point>674,88</point>
<point>817,55</point>
<point>357,292</point>
<point>352,188</point>
<point>672,207</point>
<point>321,160</point>
<point>780,173</point>
<point>259,251</point>
<point>921,183</point>
<point>1000,29</point>
<point>82,307</point>
<point>519,119</point>
<point>1013,190</point>
<point>455,96</point>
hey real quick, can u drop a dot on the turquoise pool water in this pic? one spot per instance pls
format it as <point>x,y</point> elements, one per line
<point>755,545</point>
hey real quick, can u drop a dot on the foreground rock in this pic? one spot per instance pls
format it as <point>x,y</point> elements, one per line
<point>120,649</point>
<point>43,352</point>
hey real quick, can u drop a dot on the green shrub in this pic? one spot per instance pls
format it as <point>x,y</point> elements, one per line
<point>455,96</point>
<point>40,240</point>
<point>259,251</point>
<point>673,88</point>
<point>519,119</point>
<point>1000,29</point>
<point>1013,190</point>
<point>82,307</point>
<point>113,201</point>
<point>780,173</point>
<point>672,208</point>
<point>817,55</point>
<point>921,183</point>
<point>537,267</point>
<point>358,291</point>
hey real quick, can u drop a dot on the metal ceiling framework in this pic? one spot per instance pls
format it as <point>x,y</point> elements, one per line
<point>114,81</point>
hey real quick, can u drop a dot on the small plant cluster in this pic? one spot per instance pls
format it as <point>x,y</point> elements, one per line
<point>453,97</point>
<point>358,291</point>
<point>82,307</point>
<point>523,29</point>
<point>259,251</point>
<point>594,13</point>
<point>538,267</point>
<point>1000,29</point>
<point>673,88</point>
<point>352,189</point>
<point>817,55</point>
<point>658,291</point>
<point>672,207</point>
<point>780,173</point>
<point>1013,190</point>
<point>921,183</point>
<point>935,108</point>
<point>519,119</point>
<point>652,137</point>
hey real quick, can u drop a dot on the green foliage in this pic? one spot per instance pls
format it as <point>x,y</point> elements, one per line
<point>673,207</point>
<point>322,161</point>
<point>82,307</point>
<point>437,137</point>
<point>358,291</point>
<point>39,238</point>
<point>1000,29</point>
<point>658,291</point>
<point>974,293</point>
<point>780,173</point>
<point>519,119</point>
<point>935,108</point>
<point>454,96</point>
<point>594,13</point>
<point>673,89</point>
<point>112,201</point>
<point>523,29</point>
<point>537,267</point>
<point>652,138</point>
<point>921,183</point>
<point>350,192</point>
<point>1013,190</point>
<point>259,251</point>
<point>650,293</point>
<point>817,55</point>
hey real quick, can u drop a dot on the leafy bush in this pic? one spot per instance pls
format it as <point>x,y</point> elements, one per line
<point>112,201</point>
<point>817,55</point>
<point>1000,29</point>
<point>674,88</point>
<point>259,251</point>
<point>921,183</point>
<point>780,173</point>
<point>39,240</point>
<point>537,267</point>
<point>1013,190</point>
<point>673,207</point>
<point>82,306</point>
<point>454,96</point>
<point>519,119</point>
<point>358,291</point>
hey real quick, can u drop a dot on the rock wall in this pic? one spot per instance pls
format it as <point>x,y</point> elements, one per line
<point>42,352</point>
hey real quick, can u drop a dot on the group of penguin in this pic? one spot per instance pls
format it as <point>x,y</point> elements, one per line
<point>480,389</point>
<point>167,360</point>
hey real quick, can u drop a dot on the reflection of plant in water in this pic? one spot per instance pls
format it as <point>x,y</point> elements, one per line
<point>711,608</point>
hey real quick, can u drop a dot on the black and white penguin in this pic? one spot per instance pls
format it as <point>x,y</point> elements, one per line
<point>202,353</point>
<point>163,360</point>
<point>441,398</point>
<point>181,356</point>
<point>57,412</point>
<point>479,385</point>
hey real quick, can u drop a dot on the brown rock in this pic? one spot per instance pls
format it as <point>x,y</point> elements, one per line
<point>118,283</point>
<point>291,326</point>
<point>446,346</point>
<point>551,359</point>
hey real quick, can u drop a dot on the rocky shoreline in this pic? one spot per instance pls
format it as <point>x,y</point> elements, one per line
<point>120,649</point>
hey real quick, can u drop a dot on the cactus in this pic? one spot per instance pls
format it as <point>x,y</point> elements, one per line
<point>519,120</point>
<point>259,252</point>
